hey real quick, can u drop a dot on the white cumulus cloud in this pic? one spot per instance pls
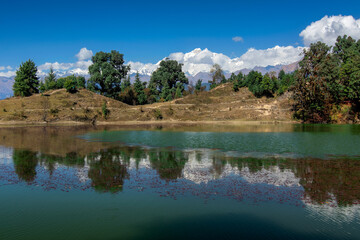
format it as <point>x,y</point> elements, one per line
<point>3,68</point>
<point>55,66</point>
<point>271,56</point>
<point>194,62</point>
<point>63,69</point>
<point>84,54</point>
<point>328,29</point>
<point>200,60</point>
<point>238,39</point>
<point>7,74</point>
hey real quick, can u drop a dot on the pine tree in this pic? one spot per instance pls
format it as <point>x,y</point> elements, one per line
<point>126,83</point>
<point>50,80</point>
<point>139,90</point>
<point>178,93</point>
<point>166,92</point>
<point>198,85</point>
<point>26,82</point>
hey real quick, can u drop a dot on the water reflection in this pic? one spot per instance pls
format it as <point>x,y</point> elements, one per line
<point>25,163</point>
<point>319,181</point>
<point>108,169</point>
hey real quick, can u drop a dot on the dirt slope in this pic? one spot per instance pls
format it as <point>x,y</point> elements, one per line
<point>220,104</point>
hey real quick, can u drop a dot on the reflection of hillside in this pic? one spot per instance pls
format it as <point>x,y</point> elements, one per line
<point>110,168</point>
<point>331,210</point>
<point>323,179</point>
<point>50,140</point>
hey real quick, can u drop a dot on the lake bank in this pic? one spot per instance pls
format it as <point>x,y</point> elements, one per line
<point>144,123</point>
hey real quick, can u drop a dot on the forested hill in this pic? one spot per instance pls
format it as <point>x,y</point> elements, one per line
<point>6,83</point>
<point>324,89</point>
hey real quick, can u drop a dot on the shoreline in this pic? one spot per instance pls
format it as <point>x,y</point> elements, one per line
<point>144,123</point>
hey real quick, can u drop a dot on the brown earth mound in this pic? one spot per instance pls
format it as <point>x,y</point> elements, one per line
<point>219,104</point>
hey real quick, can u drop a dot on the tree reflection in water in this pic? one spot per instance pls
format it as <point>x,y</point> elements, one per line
<point>109,169</point>
<point>25,163</point>
<point>168,164</point>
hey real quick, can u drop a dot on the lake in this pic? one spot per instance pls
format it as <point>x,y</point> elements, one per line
<point>180,182</point>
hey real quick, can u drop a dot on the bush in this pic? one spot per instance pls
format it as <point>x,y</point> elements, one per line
<point>70,85</point>
<point>158,115</point>
<point>54,111</point>
<point>105,111</point>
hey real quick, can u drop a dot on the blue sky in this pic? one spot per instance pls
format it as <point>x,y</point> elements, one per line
<point>146,31</point>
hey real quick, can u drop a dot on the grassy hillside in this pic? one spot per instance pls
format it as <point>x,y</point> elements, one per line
<point>221,103</point>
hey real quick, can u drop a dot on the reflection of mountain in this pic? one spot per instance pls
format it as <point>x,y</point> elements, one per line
<point>330,209</point>
<point>112,169</point>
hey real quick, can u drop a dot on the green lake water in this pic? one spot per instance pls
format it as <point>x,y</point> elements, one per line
<point>180,182</point>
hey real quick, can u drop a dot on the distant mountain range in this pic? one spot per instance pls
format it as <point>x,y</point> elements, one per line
<point>6,83</point>
<point>206,76</point>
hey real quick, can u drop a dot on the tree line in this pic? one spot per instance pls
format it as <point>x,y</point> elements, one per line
<point>269,84</point>
<point>326,85</point>
<point>109,76</point>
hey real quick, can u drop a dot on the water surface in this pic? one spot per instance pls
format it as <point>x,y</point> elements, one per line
<point>208,182</point>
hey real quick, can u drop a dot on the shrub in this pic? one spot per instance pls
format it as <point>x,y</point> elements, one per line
<point>105,111</point>
<point>54,111</point>
<point>70,85</point>
<point>158,115</point>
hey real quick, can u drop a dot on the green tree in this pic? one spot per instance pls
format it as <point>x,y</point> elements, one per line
<point>311,91</point>
<point>71,84</point>
<point>50,80</point>
<point>253,81</point>
<point>198,85</point>
<point>347,86</point>
<point>232,78</point>
<point>107,72</point>
<point>105,110</point>
<point>42,87</point>
<point>343,48</point>
<point>26,81</point>
<point>285,81</point>
<point>81,82</point>
<point>166,92</point>
<point>139,90</point>
<point>60,82</point>
<point>151,92</point>
<point>281,75</point>
<point>167,76</point>
<point>267,86</point>
<point>179,90</point>
<point>126,83</point>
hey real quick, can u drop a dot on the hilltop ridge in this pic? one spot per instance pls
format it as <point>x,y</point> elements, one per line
<point>219,104</point>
